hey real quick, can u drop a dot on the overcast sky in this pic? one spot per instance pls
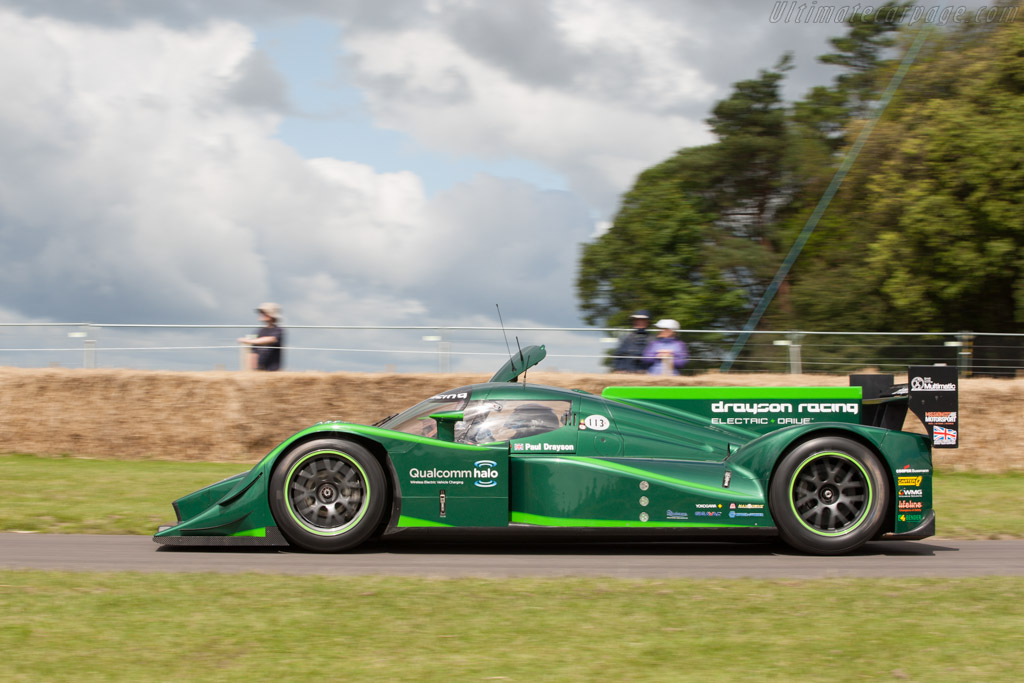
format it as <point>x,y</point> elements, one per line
<point>360,162</point>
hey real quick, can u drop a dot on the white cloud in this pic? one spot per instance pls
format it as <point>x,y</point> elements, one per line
<point>600,127</point>
<point>137,188</point>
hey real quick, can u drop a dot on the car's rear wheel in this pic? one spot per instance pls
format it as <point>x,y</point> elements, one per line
<point>328,495</point>
<point>829,496</point>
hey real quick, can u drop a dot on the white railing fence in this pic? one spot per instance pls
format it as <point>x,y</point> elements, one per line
<point>481,349</point>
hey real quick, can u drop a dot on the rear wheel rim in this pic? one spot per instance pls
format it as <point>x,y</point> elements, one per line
<point>831,494</point>
<point>327,492</point>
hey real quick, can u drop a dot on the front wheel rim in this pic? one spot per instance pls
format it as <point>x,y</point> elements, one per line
<point>831,494</point>
<point>327,492</point>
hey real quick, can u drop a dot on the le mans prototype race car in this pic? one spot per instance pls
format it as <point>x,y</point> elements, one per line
<point>825,469</point>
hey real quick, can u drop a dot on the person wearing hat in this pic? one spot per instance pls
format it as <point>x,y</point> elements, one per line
<point>629,354</point>
<point>665,354</point>
<point>268,341</point>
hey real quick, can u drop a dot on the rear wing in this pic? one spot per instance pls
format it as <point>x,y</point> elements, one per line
<point>931,393</point>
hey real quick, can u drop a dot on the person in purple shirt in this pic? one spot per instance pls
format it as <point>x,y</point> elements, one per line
<point>665,354</point>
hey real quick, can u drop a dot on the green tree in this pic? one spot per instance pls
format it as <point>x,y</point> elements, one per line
<point>925,234</point>
<point>652,257</point>
<point>693,238</point>
<point>928,232</point>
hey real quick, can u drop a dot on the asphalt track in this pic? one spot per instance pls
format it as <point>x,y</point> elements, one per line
<point>518,553</point>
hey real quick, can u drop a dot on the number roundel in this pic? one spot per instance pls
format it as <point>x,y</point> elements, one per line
<point>598,423</point>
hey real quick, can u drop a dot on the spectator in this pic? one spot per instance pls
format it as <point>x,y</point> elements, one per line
<point>665,355</point>
<point>630,352</point>
<point>268,341</point>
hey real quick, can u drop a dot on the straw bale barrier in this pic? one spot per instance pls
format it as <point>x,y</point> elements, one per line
<point>239,416</point>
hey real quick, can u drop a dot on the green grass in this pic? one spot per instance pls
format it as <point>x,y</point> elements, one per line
<point>79,496</point>
<point>76,495</point>
<point>73,626</point>
<point>979,505</point>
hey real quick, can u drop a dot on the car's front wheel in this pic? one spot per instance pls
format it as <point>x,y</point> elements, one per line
<point>328,495</point>
<point>829,496</point>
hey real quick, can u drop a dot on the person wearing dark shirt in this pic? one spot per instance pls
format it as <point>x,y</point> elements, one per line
<point>268,342</point>
<point>629,354</point>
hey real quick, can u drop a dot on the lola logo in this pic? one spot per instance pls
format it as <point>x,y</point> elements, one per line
<point>485,470</point>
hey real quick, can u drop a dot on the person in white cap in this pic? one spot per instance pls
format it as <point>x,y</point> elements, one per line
<point>268,341</point>
<point>665,354</point>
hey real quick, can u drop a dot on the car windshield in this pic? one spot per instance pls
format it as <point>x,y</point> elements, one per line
<point>416,420</point>
<point>501,420</point>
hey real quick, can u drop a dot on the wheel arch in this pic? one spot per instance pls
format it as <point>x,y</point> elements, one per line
<point>392,494</point>
<point>837,431</point>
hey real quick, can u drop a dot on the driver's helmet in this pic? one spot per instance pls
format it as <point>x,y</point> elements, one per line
<point>531,419</point>
<point>472,428</point>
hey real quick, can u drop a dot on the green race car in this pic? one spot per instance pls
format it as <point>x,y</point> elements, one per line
<point>826,469</point>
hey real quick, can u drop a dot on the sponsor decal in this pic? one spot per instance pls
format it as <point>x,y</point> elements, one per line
<point>443,500</point>
<point>926,384</point>
<point>732,506</point>
<point>733,513</point>
<point>483,472</point>
<point>909,481</point>
<point>487,473</point>
<point>780,421</point>
<point>943,435</point>
<point>778,408</point>
<point>644,486</point>
<point>644,516</point>
<point>708,513</point>
<point>545,448</point>
<point>598,423</point>
<point>940,417</point>
<point>708,505</point>
<point>910,505</point>
<point>450,397</point>
<point>911,493</point>
<point>911,517</point>
<point>644,500</point>
<point>907,469</point>
<point>672,514</point>
<point>726,478</point>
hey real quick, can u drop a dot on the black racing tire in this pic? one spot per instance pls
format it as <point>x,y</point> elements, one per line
<point>328,495</point>
<point>829,496</point>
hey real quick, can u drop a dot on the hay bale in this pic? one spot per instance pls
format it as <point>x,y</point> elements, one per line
<point>236,416</point>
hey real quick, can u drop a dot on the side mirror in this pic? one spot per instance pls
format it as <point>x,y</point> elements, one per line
<point>446,424</point>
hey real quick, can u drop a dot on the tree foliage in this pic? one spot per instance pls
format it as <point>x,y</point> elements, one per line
<point>691,237</point>
<point>926,233</point>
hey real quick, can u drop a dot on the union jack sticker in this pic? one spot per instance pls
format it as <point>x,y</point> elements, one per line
<point>943,436</point>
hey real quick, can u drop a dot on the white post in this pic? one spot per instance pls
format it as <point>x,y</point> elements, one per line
<point>795,363</point>
<point>89,354</point>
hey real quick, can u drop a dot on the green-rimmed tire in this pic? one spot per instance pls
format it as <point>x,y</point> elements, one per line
<point>829,496</point>
<point>328,495</point>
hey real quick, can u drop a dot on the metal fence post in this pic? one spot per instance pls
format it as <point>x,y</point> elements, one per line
<point>965,357</point>
<point>795,363</point>
<point>89,348</point>
<point>444,356</point>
